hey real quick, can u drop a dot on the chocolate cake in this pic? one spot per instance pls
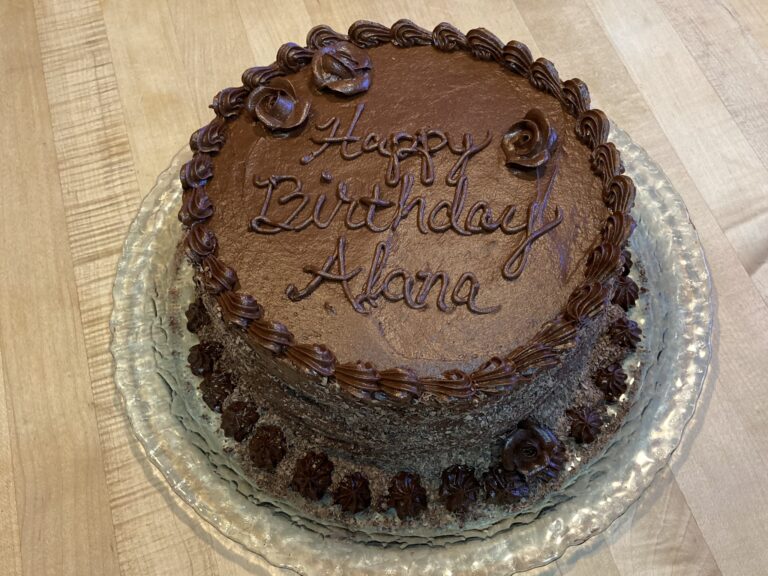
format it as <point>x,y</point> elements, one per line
<point>410,253</point>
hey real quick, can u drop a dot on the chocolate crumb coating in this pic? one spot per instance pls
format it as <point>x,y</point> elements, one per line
<point>406,495</point>
<point>312,475</point>
<point>504,486</point>
<point>238,419</point>
<point>585,423</point>
<point>459,488</point>
<point>267,447</point>
<point>353,494</point>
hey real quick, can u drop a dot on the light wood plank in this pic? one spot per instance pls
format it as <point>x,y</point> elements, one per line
<point>10,541</point>
<point>152,84</point>
<point>737,68</point>
<point>718,158</point>
<point>61,496</point>
<point>633,113</point>
<point>660,536</point>
<point>100,193</point>
<point>210,61</point>
<point>156,533</point>
<point>752,15</point>
<point>730,431</point>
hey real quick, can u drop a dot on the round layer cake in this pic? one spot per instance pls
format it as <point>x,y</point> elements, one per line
<point>410,253</point>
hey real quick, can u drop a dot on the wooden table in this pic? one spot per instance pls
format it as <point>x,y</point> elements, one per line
<point>96,97</point>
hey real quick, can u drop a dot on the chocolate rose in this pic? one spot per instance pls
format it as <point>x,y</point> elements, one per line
<point>529,143</point>
<point>342,67</point>
<point>534,451</point>
<point>276,105</point>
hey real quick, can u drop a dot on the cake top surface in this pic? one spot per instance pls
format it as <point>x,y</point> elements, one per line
<point>425,208</point>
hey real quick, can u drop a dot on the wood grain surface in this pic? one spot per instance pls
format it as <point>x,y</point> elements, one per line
<point>95,98</point>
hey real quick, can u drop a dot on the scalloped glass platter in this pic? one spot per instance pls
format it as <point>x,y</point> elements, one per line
<point>154,286</point>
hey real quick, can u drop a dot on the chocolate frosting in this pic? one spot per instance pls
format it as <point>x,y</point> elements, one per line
<point>612,381</point>
<point>210,138</point>
<point>312,475</point>
<point>459,488</point>
<point>568,205</point>
<point>406,495</point>
<point>195,206</point>
<point>267,447</point>
<point>353,494</point>
<point>517,57</point>
<point>229,101</point>
<point>323,35</point>
<point>217,276</point>
<point>585,424</point>
<point>448,38</point>
<point>238,419</point>
<point>484,45</point>
<point>504,486</point>
<point>533,451</point>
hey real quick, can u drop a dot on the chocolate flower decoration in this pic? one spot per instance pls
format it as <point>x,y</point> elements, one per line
<point>312,475</point>
<point>625,293</point>
<point>626,333</point>
<point>238,419</point>
<point>216,388</point>
<point>458,488</point>
<point>585,424</point>
<point>202,357</point>
<point>612,381</point>
<point>353,493</point>
<point>503,486</point>
<point>406,495</point>
<point>342,67</point>
<point>534,451</point>
<point>267,447</point>
<point>197,317</point>
<point>529,143</point>
<point>277,106</point>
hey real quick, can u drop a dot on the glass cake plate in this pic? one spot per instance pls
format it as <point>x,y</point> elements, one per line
<point>149,343</point>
